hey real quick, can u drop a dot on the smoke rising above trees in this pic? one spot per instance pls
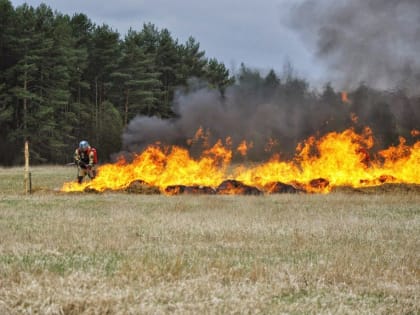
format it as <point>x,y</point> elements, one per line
<point>371,51</point>
<point>274,114</point>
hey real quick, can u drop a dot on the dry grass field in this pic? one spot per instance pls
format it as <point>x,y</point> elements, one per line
<point>121,253</point>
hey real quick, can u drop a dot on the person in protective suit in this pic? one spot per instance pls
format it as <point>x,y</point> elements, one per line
<point>85,159</point>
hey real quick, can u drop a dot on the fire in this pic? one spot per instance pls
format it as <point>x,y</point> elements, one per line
<point>345,97</point>
<point>200,136</point>
<point>320,164</point>
<point>270,145</point>
<point>354,118</point>
<point>415,133</point>
<point>243,147</point>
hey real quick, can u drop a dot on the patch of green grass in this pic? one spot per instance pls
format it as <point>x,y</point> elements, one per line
<point>291,296</point>
<point>62,263</point>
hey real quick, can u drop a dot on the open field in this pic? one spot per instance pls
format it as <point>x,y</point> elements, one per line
<point>120,253</point>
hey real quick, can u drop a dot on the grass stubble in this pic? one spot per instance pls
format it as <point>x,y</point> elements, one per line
<point>119,253</point>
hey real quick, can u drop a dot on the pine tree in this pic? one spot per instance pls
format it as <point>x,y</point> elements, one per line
<point>81,28</point>
<point>148,39</point>
<point>7,17</point>
<point>218,76</point>
<point>27,47</point>
<point>193,61</point>
<point>137,79</point>
<point>168,62</point>
<point>104,52</point>
<point>81,109</point>
<point>63,61</point>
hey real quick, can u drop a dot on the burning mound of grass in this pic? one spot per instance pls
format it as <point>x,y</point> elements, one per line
<point>189,190</point>
<point>234,187</point>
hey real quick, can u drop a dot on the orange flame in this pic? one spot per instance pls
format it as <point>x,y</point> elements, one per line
<point>415,133</point>
<point>336,159</point>
<point>243,147</point>
<point>270,145</point>
<point>354,118</point>
<point>345,97</point>
<point>200,136</point>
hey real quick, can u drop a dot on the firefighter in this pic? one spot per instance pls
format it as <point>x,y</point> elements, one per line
<point>85,158</point>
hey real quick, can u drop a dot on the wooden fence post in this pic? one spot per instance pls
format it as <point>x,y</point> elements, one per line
<point>27,176</point>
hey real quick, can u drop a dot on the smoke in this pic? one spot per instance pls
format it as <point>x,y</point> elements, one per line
<point>243,113</point>
<point>371,41</point>
<point>374,42</point>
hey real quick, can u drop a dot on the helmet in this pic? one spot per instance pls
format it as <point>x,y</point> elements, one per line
<point>83,145</point>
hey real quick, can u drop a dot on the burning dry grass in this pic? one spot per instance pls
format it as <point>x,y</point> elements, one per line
<point>118,253</point>
<point>319,165</point>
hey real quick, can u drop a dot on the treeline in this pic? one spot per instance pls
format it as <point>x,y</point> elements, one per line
<point>63,79</point>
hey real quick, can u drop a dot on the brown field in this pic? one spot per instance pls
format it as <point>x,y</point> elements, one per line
<point>121,253</point>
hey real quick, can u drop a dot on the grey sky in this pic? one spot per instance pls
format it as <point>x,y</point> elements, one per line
<point>232,31</point>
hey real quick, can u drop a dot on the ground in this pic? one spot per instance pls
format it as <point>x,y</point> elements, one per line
<point>119,253</point>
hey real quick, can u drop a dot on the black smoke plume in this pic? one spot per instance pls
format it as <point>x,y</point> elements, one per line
<point>269,117</point>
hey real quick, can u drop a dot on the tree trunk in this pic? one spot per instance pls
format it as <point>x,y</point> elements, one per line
<point>96,102</point>
<point>25,102</point>
<point>127,92</point>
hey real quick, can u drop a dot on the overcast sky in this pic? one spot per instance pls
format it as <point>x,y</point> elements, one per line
<point>232,31</point>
